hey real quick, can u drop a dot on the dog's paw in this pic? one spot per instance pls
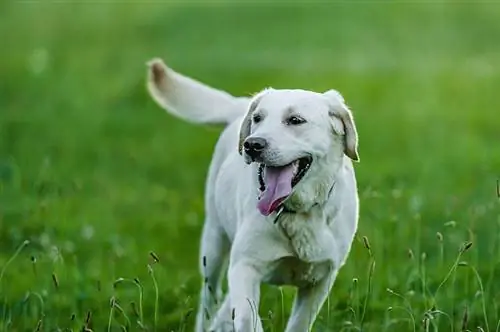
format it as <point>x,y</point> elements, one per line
<point>226,326</point>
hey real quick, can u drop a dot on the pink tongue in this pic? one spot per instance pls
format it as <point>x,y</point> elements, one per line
<point>278,181</point>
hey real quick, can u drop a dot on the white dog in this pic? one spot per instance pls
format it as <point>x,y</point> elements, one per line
<point>281,196</point>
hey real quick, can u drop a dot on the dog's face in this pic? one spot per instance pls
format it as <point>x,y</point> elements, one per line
<point>293,137</point>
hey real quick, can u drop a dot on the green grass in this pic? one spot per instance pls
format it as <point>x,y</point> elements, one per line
<point>96,176</point>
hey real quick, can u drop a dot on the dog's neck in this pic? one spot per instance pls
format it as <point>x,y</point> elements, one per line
<point>315,194</point>
<point>284,209</point>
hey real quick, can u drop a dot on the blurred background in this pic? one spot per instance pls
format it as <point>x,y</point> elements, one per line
<point>96,176</point>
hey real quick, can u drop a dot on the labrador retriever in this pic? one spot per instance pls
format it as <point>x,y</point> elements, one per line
<point>281,202</point>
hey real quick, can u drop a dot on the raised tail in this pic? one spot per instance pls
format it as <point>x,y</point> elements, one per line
<point>192,100</point>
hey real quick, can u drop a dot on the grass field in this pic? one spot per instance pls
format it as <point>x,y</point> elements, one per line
<point>95,176</point>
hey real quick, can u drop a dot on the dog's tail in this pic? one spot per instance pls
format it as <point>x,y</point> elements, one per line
<point>192,100</point>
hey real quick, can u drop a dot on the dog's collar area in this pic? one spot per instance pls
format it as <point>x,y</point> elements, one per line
<point>284,209</point>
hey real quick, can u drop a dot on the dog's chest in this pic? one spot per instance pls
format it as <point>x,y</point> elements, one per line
<point>295,272</point>
<point>309,237</point>
<point>312,251</point>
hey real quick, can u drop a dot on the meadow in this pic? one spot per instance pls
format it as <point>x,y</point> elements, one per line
<point>101,191</point>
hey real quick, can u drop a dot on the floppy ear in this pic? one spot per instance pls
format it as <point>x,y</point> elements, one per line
<point>339,109</point>
<point>246,124</point>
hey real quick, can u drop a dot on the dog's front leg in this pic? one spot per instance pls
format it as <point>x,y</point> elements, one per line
<point>244,291</point>
<point>308,303</point>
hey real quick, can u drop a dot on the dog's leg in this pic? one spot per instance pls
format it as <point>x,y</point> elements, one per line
<point>214,250</point>
<point>244,291</point>
<point>223,321</point>
<point>308,303</point>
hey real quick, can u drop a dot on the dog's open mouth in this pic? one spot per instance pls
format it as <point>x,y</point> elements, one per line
<point>276,183</point>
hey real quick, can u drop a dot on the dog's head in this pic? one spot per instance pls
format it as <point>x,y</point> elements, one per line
<point>297,140</point>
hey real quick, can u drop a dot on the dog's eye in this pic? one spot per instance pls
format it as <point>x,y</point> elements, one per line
<point>257,118</point>
<point>295,120</point>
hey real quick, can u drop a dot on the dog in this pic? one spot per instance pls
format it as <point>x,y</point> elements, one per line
<point>281,199</point>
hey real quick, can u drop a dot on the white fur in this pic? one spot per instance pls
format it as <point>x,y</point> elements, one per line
<point>305,249</point>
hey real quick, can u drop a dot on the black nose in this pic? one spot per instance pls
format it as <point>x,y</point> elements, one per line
<point>254,146</point>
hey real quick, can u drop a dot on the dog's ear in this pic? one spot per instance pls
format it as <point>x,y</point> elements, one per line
<point>246,124</point>
<point>339,110</point>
